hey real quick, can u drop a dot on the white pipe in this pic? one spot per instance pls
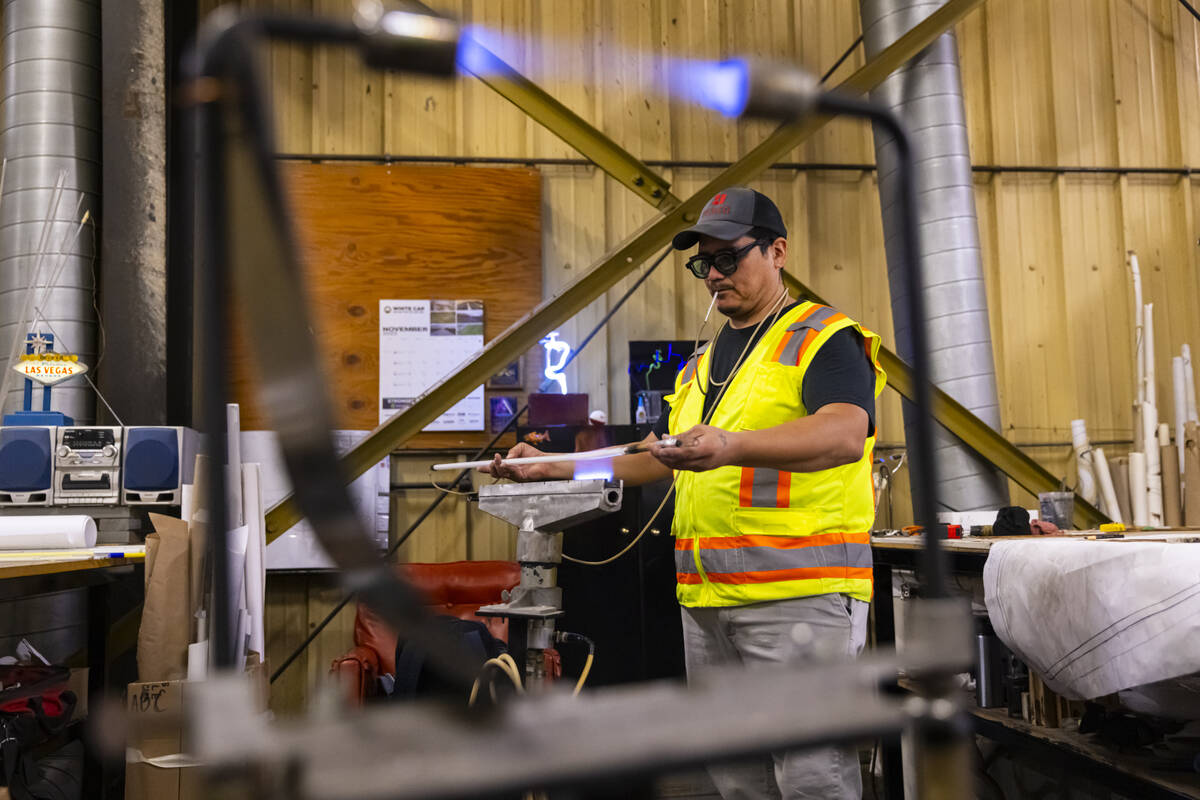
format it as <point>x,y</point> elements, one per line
<point>233,467</point>
<point>587,455</point>
<point>1189,384</point>
<point>1171,495</point>
<point>1178,384</point>
<point>1151,373</point>
<point>1107,491</point>
<point>1083,461</point>
<point>1154,506</point>
<point>1137,489</point>
<point>1137,327</point>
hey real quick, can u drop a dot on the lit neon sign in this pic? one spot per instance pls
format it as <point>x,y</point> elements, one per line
<point>553,372</point>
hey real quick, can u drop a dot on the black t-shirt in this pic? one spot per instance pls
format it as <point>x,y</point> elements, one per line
<point>839,373</point>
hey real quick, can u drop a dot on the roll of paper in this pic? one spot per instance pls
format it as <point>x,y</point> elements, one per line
<point>1119,467</point>
<point>1137,489</point>
<point>1154,504</point>
<point>1108,492</point>
<point>1151,373</point>
<point>47,532</point>
<point>256,544</point>
<point>233,465</point>
<point>1189,384</point>
<point>1179,385</point>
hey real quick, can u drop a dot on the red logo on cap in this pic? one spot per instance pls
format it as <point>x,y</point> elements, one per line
<point>716,201</point>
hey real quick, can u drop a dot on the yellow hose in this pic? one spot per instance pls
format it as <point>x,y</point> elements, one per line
<point>505,663</point>
<point>587,667</point>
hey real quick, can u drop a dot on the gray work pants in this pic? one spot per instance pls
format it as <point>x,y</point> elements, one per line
<point>801,630</point>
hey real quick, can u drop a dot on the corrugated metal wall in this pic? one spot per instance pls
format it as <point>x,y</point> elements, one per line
<point>1073,83</point>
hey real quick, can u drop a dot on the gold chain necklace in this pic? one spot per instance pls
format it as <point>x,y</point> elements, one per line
<point>776,307</point>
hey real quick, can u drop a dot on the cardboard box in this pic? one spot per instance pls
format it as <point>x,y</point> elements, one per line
<point>167,703</point>
<point>143,781</point>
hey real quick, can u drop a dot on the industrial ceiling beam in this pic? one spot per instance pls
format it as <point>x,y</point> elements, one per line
<point>611,269</point>
<point>973,431</point>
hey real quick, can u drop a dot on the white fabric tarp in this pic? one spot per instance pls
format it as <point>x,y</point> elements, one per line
<point>1096,617</point>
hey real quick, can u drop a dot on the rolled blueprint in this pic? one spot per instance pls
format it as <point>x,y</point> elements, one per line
<point>1108,492</point>
<point>1119,467</point>
<point>1137,489</point>
<point>47,532</point>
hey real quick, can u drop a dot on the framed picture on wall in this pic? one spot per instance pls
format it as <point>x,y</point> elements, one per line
<point>508,378</point>
<point>503,409</point>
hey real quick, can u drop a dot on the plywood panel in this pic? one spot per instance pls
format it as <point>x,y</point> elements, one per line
<point>286,625</point>
<point>369,232</point>
<point>1143,59</point>
<point>1097,288</point>
<point>1080,69</point>
<point>1022,111</point>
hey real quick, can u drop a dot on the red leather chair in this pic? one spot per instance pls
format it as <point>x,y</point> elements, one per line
<point>456,588</point>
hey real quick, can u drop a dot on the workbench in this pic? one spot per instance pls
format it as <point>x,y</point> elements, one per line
<point>108,635</point>
<point>1069,750</point>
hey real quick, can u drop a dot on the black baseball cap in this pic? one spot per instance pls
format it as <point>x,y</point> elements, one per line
<point>731,213</point>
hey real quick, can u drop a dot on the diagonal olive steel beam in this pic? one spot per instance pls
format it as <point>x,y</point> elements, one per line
<point>545,109</point>
<point>606,273</point>
<point>973,431</point>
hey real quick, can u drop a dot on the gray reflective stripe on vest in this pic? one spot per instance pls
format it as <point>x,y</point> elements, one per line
<point>766,559</point>
<point>791,351</point>
<point>689,369</point>
<point>766,485</point>
<point>685,561</point>
<point>815,320</point>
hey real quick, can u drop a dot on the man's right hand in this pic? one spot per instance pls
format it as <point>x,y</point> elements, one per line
<point>521,472</point>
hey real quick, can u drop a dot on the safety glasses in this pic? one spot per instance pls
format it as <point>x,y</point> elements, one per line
<point>726,261</point>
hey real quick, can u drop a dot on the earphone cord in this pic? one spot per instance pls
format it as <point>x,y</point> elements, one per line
<point>778,306</point>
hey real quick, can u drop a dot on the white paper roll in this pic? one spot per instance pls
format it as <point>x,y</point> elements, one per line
<point>1148,346</point>
<point>47,532</point>
<point>233,466</point>
<point>1154,506</point>
<point>1107,491</point>
<point>1137,489</point>
<point>256,544</point>
<point>1179,384</point>
<point>1189,384</point>
<point>1138,310</point>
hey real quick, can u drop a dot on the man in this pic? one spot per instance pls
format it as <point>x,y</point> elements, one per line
<point>775,427</point>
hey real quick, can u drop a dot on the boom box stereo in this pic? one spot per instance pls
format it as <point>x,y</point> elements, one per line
<point>87,466</point>
<point>27,465</point>
<point>157,462</point>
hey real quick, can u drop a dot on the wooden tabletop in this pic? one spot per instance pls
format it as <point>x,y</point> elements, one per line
<point>49,566</point>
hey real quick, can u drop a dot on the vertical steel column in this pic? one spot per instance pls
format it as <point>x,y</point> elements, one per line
<point>927,96</point>
<point>50,123</point>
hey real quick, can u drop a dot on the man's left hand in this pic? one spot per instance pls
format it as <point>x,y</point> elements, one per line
<point>700,448</point>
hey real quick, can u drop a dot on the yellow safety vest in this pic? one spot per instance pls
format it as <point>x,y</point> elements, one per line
<point>750,535</point>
